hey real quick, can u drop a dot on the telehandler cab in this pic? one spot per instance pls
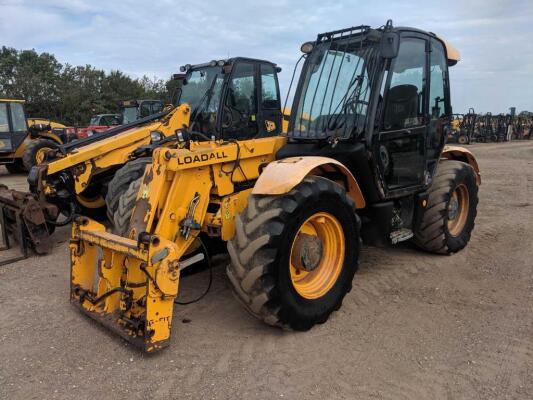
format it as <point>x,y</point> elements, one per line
<point>25,141</point>
<point>364,158</point>
<point>88,176</point>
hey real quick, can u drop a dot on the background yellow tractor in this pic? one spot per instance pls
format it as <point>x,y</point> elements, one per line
<point>24,141</point>
<point>363,160</point>
<point>88,176</point>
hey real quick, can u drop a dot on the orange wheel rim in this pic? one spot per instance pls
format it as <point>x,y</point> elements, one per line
<point>41,154</point>
<point>317,255</point>
<point>458,210</point>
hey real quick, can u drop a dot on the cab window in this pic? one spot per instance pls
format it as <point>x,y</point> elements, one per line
<point>404,108</point>
<point>157,107</point>
<point>17,117</point>
<point>129,114</point>
<point>269,89</point>
<point>241,105</point>
<point>439,108</point>
<point>145,110</point>
<point>437,92</point>
<point>4,122</point>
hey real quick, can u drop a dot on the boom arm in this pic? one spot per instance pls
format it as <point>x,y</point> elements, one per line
<point>115,150</point>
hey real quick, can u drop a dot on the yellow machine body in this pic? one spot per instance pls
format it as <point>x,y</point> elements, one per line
<point>178,187</point>
<point>129,283</point>
<point>88,161</point>
<point>48,134</point>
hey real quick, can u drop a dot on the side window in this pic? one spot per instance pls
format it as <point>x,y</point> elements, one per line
<point>17,117</point>
<point>438,103</point>
<point>157,107</point>
<point>437,92</point>
<point>4,122</point>
<point>269,89</point>
<point>240,119</point>
<point>404,103</point>
<point>145,110</point>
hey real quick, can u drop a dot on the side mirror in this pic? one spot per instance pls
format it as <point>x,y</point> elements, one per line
<point>390,44</point>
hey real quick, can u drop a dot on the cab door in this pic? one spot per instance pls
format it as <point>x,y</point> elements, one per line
<point>239,114</point>
<point>440,109</point>
<point>269,116</point>
<point>13,126</point>
<point>400,146</point>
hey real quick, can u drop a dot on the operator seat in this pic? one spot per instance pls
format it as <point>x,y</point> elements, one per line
<point>402,107</point>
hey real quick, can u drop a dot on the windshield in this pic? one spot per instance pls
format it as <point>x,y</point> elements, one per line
<point>201,90</point>
<point>335,90</point>
<point>94,120</point>
<point>129,114</point>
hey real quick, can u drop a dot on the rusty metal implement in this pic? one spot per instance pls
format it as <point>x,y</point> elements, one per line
<point>23,220</point>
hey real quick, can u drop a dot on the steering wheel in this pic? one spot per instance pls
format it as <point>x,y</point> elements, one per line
<point>231,116</point>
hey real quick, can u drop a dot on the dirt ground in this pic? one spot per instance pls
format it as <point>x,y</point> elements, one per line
<point>415,326</point>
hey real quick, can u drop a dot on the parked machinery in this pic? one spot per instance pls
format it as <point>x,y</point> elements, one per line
<point>87,176</point>
<point>357,163</point>
<point>523,126</point>
<point>24,141</point>
<point>484,129</point>
<point>463,127</point>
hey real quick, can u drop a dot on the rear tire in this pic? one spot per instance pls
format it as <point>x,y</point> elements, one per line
<point>15,167</point>
<point>33,153</point>
<point>262,254</point>
<point>120,183</point>
<point>449,217</point>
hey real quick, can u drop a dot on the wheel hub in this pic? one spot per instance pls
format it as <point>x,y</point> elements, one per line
<point>458,210</point>
<point>317,255</point>
<point>453,208</point>
<point>307,252</point>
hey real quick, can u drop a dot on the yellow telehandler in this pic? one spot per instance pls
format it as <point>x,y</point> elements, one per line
<point>364,159</point>
<point>88,176</point>
<point>25,141</point>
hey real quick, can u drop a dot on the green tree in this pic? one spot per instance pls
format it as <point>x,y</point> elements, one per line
<point>71,94</point>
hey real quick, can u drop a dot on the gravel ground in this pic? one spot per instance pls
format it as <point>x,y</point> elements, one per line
<point>415,326</point>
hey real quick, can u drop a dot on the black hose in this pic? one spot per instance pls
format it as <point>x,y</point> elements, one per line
<point>210,266</point>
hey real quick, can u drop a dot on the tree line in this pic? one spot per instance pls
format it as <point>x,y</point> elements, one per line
<point>71,94</point>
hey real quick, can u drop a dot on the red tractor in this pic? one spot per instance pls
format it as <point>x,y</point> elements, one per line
<point>131,110</point>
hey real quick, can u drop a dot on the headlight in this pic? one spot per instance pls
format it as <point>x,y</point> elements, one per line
<point>307,47</point>
<point>155,136</point>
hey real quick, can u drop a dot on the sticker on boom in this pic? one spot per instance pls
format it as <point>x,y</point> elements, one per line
<point>219,155</point>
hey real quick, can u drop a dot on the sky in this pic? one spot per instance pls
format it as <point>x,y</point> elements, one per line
<point>153,38</point>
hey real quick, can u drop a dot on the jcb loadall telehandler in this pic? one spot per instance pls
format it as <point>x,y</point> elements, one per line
<point>88,176</point>
<point>364,158</point>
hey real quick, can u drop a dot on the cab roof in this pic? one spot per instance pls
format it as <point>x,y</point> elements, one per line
<point>12,101</point>
<point>222,62</point>
<point>452,54</point>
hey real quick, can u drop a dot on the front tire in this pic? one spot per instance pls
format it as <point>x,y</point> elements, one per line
<point>293,257</point>
<point>450,215</point>
<point>129,172</point>
<point>35,152</point>
<point>125,205</point>
<point>15,167</point>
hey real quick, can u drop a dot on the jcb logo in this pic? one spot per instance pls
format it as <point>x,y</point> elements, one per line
<point>270,125</point>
